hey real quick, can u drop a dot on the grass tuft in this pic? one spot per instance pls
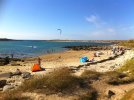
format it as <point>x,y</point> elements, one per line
<point>13,96</point>
<point>92,95</point>
<point>128,67</point>
<point>129,43</point>
<point>60,80</point>
<point>90,75</point>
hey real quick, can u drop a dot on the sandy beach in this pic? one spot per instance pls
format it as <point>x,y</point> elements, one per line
<point>72,59</point>
<point>69,59</point>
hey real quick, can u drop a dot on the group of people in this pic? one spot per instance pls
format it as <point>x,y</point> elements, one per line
<point>118,49</point>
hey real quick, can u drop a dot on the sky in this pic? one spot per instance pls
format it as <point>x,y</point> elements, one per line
<point>78,19</point>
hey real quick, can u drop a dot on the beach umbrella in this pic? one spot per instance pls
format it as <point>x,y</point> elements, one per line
<point>60,31</point>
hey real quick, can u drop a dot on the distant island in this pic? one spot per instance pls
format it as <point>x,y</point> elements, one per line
<point>5,39</point>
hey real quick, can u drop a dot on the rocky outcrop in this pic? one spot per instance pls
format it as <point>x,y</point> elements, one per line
<point>12,61</point>
<point>14,81</point>
<point>91,48</point>
<point>2,83</point>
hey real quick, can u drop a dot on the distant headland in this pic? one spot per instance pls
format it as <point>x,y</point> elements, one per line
<point>58,40</point>
<point>5,39</point>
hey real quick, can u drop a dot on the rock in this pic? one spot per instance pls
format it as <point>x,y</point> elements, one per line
<point>10,81</point>
<point>4,61</point>
<point>110,93</point>
<point>17,79</point>
<point>16,84</point>
<point>26,75</point>
<point>7,87</point>
<point>2,83</point>
<point>15,64</point>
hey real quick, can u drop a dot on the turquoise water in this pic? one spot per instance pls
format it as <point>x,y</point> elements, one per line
<point>35,48</point>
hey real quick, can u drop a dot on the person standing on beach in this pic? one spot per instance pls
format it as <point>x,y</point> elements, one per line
<point>39,61</point>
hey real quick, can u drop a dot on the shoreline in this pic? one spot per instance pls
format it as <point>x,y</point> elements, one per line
<point>69,58</point>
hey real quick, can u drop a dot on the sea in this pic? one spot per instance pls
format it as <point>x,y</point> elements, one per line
<point>31,48</point>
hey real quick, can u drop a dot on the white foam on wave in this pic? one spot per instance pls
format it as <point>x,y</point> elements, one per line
<point>32,46</point>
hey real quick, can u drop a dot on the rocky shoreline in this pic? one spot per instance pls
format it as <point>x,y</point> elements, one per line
<point>7,60</point>
<point>13,80</point>
<point>90,48</point>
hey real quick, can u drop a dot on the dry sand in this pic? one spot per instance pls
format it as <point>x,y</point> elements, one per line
<point>56,60</point>
<point>70,58</point>
<point>109,65</point>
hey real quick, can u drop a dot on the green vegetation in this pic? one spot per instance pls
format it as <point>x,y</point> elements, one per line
<point>116,78</point>
<point>60,80</point>
<point>129,43</point>
<point>128,67</point>
<point>123,75</point>
<point>129,95</point>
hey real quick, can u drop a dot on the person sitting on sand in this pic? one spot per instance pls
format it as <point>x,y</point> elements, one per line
<point>17,72</point>
<point>92,60</point>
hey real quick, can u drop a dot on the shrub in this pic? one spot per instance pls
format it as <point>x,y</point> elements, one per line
<point>128,67</point>
<point>116,78</point>
<point>60,80</point>
<point>129,43</point>
<point>92,95</point>
<point>90,75</point>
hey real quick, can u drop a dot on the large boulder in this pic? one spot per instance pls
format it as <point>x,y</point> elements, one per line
<point>2,83</point>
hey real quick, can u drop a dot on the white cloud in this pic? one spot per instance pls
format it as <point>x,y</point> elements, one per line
<point>93,19</point>
<point>104,31</point>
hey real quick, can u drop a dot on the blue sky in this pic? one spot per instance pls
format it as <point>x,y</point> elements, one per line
<point>78,19</point>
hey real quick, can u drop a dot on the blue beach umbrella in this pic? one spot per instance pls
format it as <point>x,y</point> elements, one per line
<point>84,59</point>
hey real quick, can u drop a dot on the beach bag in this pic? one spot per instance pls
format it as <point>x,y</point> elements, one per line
<point>36,68</point>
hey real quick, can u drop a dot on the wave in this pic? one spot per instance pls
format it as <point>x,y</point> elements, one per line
<point>32,46</point>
